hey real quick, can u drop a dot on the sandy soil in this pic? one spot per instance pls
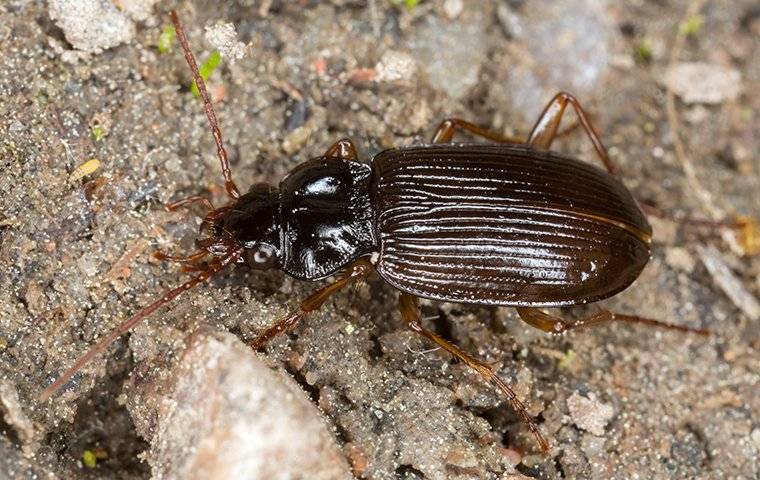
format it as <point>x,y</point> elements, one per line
<point>617,401</point>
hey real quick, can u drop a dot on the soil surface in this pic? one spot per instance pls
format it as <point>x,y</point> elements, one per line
<point>616,401</point>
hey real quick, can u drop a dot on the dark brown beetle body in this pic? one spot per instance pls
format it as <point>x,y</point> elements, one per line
<point>504,225</point>
<point>472,223</point>
<point>510,223</point>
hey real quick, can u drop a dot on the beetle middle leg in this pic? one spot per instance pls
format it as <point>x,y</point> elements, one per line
<point>357,271</point>
<point>447,129</point>
<point>411,315</point>
<point>537,318</point>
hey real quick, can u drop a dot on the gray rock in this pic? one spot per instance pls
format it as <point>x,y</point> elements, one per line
<point>452,52</point>
<point>566,45</point>
<point>699,82</point>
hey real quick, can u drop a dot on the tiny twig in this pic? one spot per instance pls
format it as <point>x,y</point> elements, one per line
<point>704,196</point>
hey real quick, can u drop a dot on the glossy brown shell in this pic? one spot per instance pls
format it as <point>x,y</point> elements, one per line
<point>504,225</point>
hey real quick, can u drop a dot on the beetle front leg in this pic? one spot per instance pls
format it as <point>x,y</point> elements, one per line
<point>411,315</point>
<point>545,130</point>
<point>549,323</point>
<point>343,148</point>
<point>357,271</point>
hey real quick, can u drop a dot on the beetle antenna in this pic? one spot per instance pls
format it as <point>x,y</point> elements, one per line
<point>232,189</point>
<point>104,343</point>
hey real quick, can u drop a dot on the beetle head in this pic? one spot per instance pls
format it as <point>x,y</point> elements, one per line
<point>251,223</point>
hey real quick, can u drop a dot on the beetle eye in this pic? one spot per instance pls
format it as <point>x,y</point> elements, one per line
<point>262,256</point>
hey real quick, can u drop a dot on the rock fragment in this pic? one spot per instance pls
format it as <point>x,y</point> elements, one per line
<point>230,416</point>
<point>699,82</point>
<point>224,38</point>
<point>395,66</point>
<point>452,53</point>
<point>589,413</point>
<point>13,413</point>
<point>559,45</point>
<point>91,25</point>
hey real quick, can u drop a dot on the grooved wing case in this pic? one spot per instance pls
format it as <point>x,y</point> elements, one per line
<point>504,225</point>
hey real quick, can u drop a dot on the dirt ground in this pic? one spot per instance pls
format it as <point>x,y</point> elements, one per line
<point>616,401</point>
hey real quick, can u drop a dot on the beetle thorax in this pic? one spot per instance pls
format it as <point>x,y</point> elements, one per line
<point>327,217</point>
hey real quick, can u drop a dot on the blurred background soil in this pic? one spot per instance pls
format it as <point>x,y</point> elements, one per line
<point>617,401</point>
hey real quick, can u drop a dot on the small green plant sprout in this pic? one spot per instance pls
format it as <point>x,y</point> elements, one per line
<point>166,39</point>
<point>409,4</point>
<point>567,359</point>
<point>643,50</point>
<point>97,133</point>
<point>89,459</point>
<point>206,69</point>
<point>691,26</point>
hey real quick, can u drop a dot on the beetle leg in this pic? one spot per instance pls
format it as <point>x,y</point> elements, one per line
<point>343,148</point>
<point>411,315</point>
<point>192,258</point>
<point>447,128</point>
<point>545,130</point>
<point>549,323</point>
<point>356,271</point>
<point>190,200</point>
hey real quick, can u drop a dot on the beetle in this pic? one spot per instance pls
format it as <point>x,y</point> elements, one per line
<point>508,223</point>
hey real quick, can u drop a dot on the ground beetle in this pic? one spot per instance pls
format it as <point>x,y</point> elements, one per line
<point>509,223</point>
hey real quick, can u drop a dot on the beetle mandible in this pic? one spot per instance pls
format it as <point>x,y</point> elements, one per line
<point>509,223</point>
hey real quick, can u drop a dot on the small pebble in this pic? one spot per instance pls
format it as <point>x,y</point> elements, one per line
<point>224,38</point>
<point>229,415</point>
<point>755,436</point>
<point>698,82</point>
<point>679,258</point>
<point>91,25</point>
<point>589,413</point>
<point>510,22</point>
<point>452,8</point>
<point>395,66</point>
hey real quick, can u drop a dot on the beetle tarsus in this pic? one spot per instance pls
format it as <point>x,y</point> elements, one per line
<point>552,324</point>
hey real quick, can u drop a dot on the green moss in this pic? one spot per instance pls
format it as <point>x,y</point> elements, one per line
<point>567,360</point>
<point>89,459</point>
<point>643,50</point>
<point>409,4</point>
<point>691,26</point>
<point>97,133</point>
<point>206,69</point>
<point>166,39</point>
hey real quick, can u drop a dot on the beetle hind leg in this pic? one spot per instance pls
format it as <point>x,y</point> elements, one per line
<point>447,129</point>
<point>411,315</point>
<point>550,323</point>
